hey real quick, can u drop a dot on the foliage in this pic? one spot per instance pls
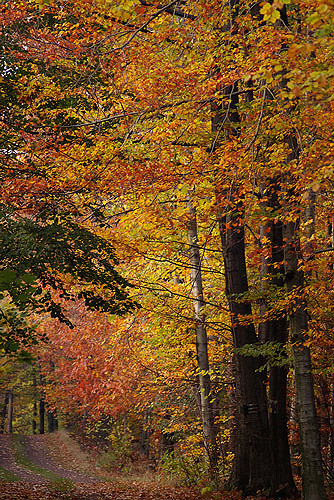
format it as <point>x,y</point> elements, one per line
<point>115,117</point>
<point>56,246</point>
<point>273,353</point>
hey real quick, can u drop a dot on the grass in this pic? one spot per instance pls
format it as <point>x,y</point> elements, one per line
<point>61,485</point>
<point>7,476</point>
<point>23,460</point>
<point>74,454</point>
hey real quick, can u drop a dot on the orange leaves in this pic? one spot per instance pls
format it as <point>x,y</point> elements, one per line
<point>85,365</point>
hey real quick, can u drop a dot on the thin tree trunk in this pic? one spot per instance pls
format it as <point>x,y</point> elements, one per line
<point>10,410</point>
<point>51,421</point>
<point>34,417</point>
<point>294,435</point>
<point>41,404</point>
<point>41,416</point>
<point>207,409</point>
<point>145,434</point>
<point>330,452</point>
<point>4,412</point>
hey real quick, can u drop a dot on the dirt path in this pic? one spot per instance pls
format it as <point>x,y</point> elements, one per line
<point>57,455</point>
<point>39,454</point>
<point>7,462</point>
<point>50,454</point>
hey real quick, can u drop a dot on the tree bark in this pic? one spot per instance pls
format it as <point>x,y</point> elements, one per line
<point>145,434</point>
<point>10,410</point>
<point>252,470</point>
<point>275,330</point>
<point>312,476</point>
<point>41,404</point>
<point>207,409</point>
<point>41,416</point>
<point>252,465</point>
<point>4,412</point>
<point>52,421</point>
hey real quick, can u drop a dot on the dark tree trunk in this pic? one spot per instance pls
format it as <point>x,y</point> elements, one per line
<point>41,403</point>
<point>252,465</point>
<point>145,434</point>
<point>41,416</point>
<point>275,330</point>
<point>34,415</point>
<point>252,469</point>
<point>52,422</point>
<point>4,412</point>
<point>34,419</point>
<point>10,410</point>
<point>49,418</point>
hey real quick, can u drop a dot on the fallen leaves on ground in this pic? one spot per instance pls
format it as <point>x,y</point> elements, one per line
<point>104,491</point>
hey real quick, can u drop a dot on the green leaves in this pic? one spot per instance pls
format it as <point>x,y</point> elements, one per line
<point>274,353</point>
<point>53,252</point>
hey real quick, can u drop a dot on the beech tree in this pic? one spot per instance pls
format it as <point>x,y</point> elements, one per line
<point>232,104</point>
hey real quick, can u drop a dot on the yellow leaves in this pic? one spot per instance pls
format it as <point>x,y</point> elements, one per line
<point>296,49</point>
<point>42,3</point>
<point>122,10</point>
<point>269,12</point>
<point>314,19</point>
<point>268,75</point>
<point>279,4</point>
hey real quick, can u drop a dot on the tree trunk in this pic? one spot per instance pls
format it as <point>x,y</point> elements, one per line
<point>52,422</point>
<point>34,415</point>
<point>207,409</point>
<point>41,416</point>
<point>312,475</point>
<point>10,410</point>
<point>41,403</point>
<point>252,470</point>
<point>49,418</point>
<point>252,465</point>
<point>145,434</point>
<point>4,412</point>
<point>275,330</point>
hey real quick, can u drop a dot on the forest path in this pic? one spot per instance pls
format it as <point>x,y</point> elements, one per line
<point>39,459</point>
<point>43,456</point>
<point>46,467</point>
<point>8,463</point>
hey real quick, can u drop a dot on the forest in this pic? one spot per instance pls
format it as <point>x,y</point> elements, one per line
<point>167,235</point>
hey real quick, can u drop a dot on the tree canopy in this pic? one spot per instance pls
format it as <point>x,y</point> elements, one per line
<point>172,165</point>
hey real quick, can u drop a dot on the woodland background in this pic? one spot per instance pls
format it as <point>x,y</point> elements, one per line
<point>167,234</point>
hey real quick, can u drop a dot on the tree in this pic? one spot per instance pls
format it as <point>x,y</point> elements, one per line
<point>213,108</point>
<point>206,395</point>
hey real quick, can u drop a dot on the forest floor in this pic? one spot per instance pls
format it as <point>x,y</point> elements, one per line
<point>53,467</point>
